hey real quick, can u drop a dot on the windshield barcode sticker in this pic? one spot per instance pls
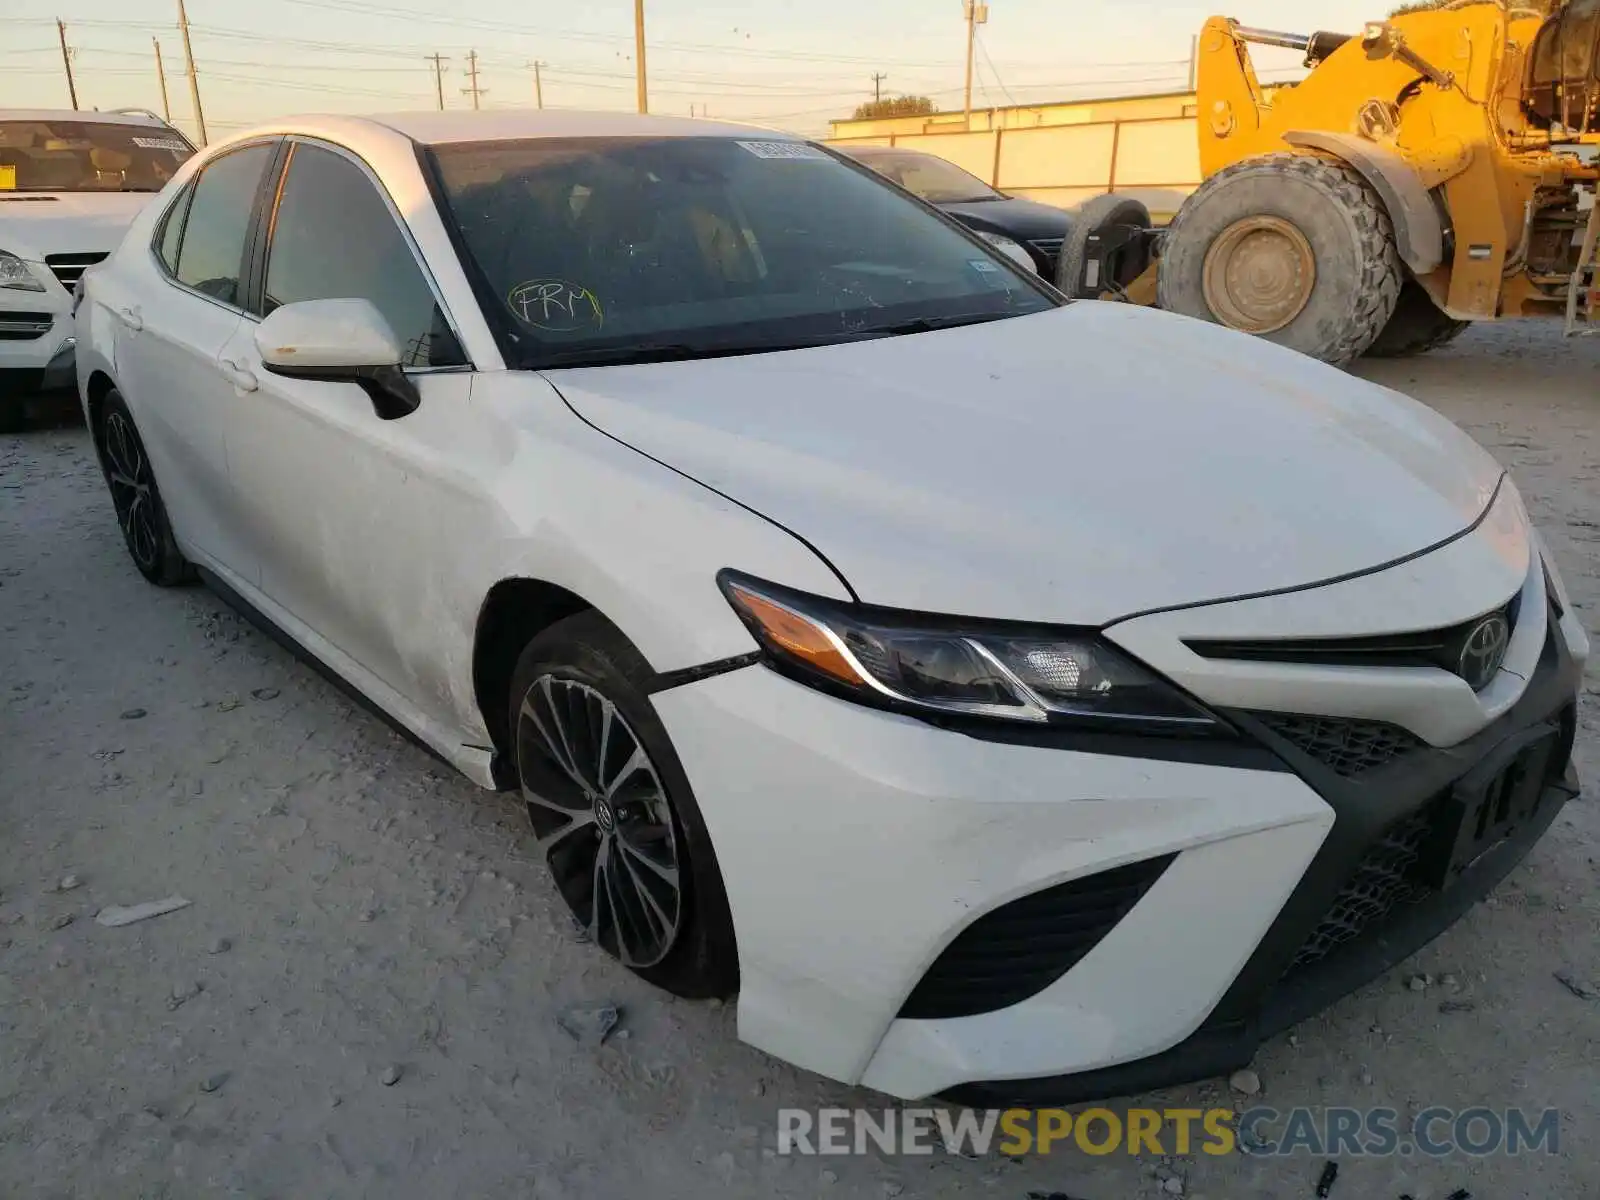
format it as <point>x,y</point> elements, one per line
<point>794,150</point>
<point>159,143</point>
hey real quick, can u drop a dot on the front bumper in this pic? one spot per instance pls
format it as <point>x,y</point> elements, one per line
<point>856,846</point>
<point>37,336</point>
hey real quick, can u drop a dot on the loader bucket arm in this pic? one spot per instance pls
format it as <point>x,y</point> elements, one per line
<point>1228,95</point>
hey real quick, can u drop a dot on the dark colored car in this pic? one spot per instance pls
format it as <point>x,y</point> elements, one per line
<point>1038,229</point>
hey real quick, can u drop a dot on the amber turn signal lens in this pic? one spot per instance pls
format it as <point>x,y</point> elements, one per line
<point>795,635</point>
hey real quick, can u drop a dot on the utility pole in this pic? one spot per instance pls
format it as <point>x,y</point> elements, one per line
<point>877,86</point>
<point>538,83</point>
<point>638,55</point>
<point>66,61</point>
<point>194,76</point>
<point>472,73</point>
<point>1194,62</point>
<point>438,60</point>
<point>161,77</point>
<point>977,14</point>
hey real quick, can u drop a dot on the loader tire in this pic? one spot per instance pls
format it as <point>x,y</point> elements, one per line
<point>1295,248</point>
<point>1091,217</point>
<point>1418,325</point>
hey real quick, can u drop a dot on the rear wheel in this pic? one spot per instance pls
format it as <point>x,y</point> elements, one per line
<point>613,812</point>
<point>140,513</point>
<point>1294,248</point>
<point>1418,325</point>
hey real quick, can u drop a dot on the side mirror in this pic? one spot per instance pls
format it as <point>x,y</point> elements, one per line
<point>342,341</point>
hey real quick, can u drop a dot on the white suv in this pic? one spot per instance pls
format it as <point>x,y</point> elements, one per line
<point>70,184</point>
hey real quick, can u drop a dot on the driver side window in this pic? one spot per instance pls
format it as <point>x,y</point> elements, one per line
<point>333,237</point>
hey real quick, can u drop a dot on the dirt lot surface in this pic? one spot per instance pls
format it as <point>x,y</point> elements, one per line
<point>361,998</point>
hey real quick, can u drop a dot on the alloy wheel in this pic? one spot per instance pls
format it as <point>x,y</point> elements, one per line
<point>601,815</point>
<point>132,490</point>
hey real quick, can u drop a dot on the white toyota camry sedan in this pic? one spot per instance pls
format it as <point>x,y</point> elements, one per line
<point>1007,698</point>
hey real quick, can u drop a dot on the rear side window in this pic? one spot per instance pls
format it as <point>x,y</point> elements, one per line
<point>172,230</point>
<point>333,237</point>
<point>211,248</point>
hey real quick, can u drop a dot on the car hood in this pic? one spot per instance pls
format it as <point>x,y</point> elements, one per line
<point>33,224</point>
<point>1017,218</point>
<point>1074,466</point>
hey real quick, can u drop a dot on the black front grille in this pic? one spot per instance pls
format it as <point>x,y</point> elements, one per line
<point>1440,648</point>
<point>1023,947</point>
<point>1346,745</point>
<point>1381,882</point>
<point>24,326</point>
<point>67,267</point>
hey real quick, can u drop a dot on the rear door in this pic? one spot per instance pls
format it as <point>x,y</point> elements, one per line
<point>172,339</point>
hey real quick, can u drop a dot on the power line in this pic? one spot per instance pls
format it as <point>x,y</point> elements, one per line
<point>995,71</point>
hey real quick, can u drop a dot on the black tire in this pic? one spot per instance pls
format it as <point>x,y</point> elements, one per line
<point>564,678</point>
<point>1091,217</point>
<point>1418,325</point>
<point>1318,203</point>
<point>142,516</point>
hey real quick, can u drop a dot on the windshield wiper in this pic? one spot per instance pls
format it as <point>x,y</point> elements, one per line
<point>929,324</point>
<point>645,352</point>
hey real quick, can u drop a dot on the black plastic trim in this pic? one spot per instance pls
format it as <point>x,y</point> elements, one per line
<point>1022,947</point>
<point>1439,648</point>
<point>664,681</point>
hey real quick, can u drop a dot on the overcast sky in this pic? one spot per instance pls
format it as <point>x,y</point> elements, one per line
<point>781,61</point>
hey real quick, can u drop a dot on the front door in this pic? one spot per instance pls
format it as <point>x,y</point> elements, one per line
<point>352,515</point>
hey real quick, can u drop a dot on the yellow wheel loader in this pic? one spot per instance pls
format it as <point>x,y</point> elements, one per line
<point>1435,169</point>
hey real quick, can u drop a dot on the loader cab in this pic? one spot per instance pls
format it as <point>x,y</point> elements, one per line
<point>1563,93</point>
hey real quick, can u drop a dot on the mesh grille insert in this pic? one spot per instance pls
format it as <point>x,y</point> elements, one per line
<point>1023,947</point>
<point>1380,883</point>
<point>1348,746</point>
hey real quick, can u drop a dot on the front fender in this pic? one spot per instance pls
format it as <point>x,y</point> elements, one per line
<point>1418,230</point>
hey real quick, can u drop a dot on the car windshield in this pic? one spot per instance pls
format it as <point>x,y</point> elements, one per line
<point>936,181</point>
<point>598,250</point>
<point>88,156</point>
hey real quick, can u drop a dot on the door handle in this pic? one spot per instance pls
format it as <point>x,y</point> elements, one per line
<point>131,318</point>
<point>238,376</point>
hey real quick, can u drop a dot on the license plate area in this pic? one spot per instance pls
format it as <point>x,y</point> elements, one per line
<point>1486,806</point>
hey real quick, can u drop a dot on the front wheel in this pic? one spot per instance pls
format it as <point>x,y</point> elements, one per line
<point>1295,248</point>
<point>613,812</point>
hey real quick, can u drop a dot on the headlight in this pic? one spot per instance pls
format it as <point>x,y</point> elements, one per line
<point>14,274</point>
<point>1011,248</point>
<point>974,669</point>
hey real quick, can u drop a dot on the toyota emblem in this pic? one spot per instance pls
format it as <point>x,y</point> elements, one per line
<point>1484,651</point>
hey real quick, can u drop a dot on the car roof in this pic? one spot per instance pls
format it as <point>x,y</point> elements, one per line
<point>70,114</point>
<point>436,128</point>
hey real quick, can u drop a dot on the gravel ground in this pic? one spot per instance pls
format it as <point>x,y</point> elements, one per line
<point>361,999</point>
